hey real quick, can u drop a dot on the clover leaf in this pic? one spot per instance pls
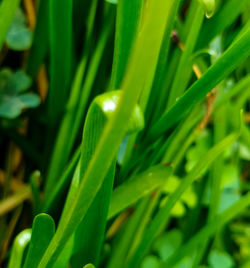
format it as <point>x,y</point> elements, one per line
<point>12,98</point>
<point>198,150</point>
<point>218,259</point>
<point>188,198</point>
<point>19,36</point>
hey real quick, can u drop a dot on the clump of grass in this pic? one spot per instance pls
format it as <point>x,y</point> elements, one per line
<point>140,146</point>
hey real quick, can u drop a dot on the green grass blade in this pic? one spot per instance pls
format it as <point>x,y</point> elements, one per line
<point>237,89</point>
<point>62,183</point>
<point>142,63</point>
<point>92,228</point>
<point>128,19</point>
<point>221,20</point>
<point>184,30</point>
<point>153,84</point>
<point>60,12</point>
<point>40,44</point>
<point>100,110</point>
<point>43,229</point>
<point>123,241</point>
<point>89,250</point>
<point>157,91</point>
<point>159,222</point>
<point>167,81</point>
<point>220,129</point>
<point>157,198</point>
<point>215,174</point>
<point>35,190</point>
<point>234,55</point>
<point>17,253</point>
<point>208,231</point>
<point>137,187</point>
<point>65,255</point>
<point>90,78</point>
<point>75,109</point>
<point>180,135</point>
<point>184,70</point>
<point>162,60</point>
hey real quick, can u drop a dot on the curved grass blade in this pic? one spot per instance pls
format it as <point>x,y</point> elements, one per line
<point>135,188</point>
<point>89,250</point>
<point>102,108</point>
<point>43,229</point>
<point>17,252</point>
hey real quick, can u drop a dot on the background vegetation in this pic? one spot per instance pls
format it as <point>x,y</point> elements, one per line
<point>124,132</point>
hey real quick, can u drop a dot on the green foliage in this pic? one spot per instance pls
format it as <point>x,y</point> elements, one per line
<point>7,13</point>
<point>188,198</point>
<point>194,153</point>
<point>13,98</point>
<point>220,259</point>
<point>166,244</point>
<point>138,147</point>
<point>19,37</point>
<point>137,187</point>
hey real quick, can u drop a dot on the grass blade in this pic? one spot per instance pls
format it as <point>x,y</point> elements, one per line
<point>60,54</point>
<point>135,188</point>
<point>20,244</point>
<point>234,55</point>
<point>221,20</point>
<point>43,229</point>
<point>161,217</point>
<point>40,45</point>
<point>208,230</point>
<point>184,70</point>
<point>61,185</point>
<point>75,108</point>
<point>117,126</point>
<point>128,19</point>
